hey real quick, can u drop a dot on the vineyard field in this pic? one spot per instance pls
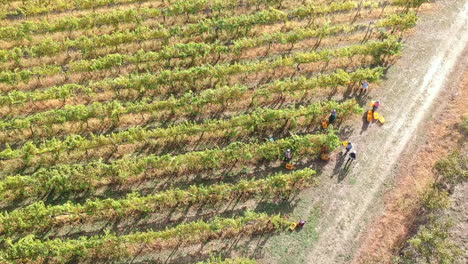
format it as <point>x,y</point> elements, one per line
<point>149,131</point>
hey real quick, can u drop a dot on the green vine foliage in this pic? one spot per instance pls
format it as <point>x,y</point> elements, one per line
<point>112,247</point>
<point>83,70</point>
<point>87,44</point>
<point>78,177</point>
<point>38,217</point>
<point>259,121</point>
<point>188,103</point>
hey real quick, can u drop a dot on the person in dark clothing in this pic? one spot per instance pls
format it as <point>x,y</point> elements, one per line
<point>332,117</point>
<point>352,156</point>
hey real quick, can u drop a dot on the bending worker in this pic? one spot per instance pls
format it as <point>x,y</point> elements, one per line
<point>332,117</point>
<point>375,106</point>
<point>287,155</point>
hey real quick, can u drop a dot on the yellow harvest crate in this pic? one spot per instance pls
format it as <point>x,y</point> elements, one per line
<point>292,226</point>
<point>369,116</point>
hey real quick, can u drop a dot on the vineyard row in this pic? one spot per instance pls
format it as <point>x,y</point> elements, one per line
<point>107,62</point>
<point>65,91</point>
<point>77,178</point>
<point>173,7</point>
<point>192,50</point>
<point>183,80</point>
<point>261,119</point>
<point>112,247</point>
<point>186,105</point>
<point>39,217</point>
<point>27,29</point>
<point>87,44</point>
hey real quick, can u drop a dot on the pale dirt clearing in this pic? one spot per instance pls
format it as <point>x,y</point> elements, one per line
<point>347,201</point>
<point>387,233</point>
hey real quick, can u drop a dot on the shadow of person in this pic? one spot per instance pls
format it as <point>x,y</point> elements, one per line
<point>339,163</point>
<point>362,98</point>
<point>348,93</point>
<point>344,172</point>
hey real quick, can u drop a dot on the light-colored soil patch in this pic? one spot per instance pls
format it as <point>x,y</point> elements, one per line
<point>388,231</point>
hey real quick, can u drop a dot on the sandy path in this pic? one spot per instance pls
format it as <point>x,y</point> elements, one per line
<point>429,59</point>
<point>386,234</point>
<point>346,216</point>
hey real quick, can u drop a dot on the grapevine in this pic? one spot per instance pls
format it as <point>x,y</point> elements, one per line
<point>188,103</point>
<point>77,177</point>
<point>259,120</point>
<point>115,246</point>
<point>38,217</point>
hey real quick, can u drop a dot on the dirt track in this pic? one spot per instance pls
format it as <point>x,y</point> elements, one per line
<point>386,234</point>
<point>347,200</point>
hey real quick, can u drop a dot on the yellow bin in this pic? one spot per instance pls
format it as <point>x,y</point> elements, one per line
<point>369,116</point>
<point>292,226</point>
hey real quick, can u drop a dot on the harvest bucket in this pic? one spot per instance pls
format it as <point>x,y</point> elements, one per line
<point>369,116</point>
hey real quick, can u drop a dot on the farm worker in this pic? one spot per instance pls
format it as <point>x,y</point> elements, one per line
<point>352,156</point>
<point>300,223</point>
<point>375,105</point>
<point>332,116</point>
<point>364,85</point>
<point>348,147</point>
<point>287,155</point>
